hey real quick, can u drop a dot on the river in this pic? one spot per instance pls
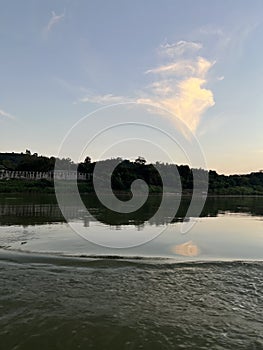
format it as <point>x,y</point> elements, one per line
<point>199,289</point>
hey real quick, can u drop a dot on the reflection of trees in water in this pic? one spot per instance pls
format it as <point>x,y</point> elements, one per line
<point>42,213</point>
<point>249,205</point>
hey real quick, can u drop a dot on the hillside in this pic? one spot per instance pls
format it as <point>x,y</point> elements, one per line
<point>125,173</point>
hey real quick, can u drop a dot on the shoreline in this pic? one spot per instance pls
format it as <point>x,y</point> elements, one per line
<point>44,186</point>
<point>183,195</point>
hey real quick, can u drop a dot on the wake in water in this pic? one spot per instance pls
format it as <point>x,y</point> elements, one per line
<point>124,303</point>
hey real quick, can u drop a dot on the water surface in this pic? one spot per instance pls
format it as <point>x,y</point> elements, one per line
<point>198,290</point>
<point>229,228</point>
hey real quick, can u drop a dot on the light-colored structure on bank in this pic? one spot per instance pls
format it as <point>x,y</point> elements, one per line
<point>38,175</point>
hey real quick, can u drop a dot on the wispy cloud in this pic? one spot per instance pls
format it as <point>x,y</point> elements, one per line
<point>228,43</point>
<point>213,124</point>
<point>105,99</point>
<point>55,19</point>
<point>4,114</point>
<point>198,67</point>
<point>179,48</point>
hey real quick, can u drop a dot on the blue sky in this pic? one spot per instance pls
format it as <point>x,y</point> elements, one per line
<point>199,60</point>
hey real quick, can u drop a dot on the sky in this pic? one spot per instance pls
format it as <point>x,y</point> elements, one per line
<point>195,66</point>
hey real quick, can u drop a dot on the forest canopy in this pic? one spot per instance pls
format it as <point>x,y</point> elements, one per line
<point>127,171</point>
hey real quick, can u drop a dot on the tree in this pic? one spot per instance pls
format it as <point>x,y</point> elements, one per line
<point>87,160</point>
<point>140,160</point>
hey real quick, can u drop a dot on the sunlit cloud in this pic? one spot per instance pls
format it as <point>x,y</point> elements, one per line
<point>4,114</point>
<point>178,86</point>
<point>55,19</point>
<point>190,102</point>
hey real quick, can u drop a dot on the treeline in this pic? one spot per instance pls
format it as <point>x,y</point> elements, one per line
<point>127,171</point>
<point>33,162</point>
<point>236,184</point>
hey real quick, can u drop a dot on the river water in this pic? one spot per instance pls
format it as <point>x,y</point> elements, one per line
<point>200,289</point>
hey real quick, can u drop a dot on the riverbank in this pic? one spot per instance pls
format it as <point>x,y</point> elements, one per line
<point>38,186</point>
<point>47,187</point>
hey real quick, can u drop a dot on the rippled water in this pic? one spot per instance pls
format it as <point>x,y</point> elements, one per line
<point>200,290</point>
<point>108,304</point>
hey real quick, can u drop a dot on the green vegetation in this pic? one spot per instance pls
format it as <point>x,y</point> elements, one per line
<point>124,175</point>
<point>29,186</point>
<point>34,162</point>
<point>249,184</point>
